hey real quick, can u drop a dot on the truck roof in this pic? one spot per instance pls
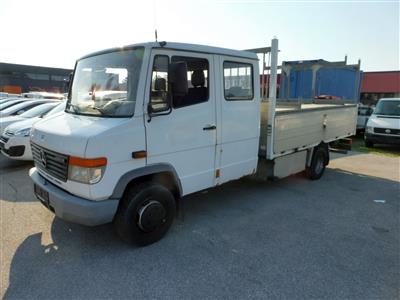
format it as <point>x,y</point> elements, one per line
<point>183,47</point>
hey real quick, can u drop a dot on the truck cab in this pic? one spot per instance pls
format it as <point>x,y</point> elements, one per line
<point>183,117</point>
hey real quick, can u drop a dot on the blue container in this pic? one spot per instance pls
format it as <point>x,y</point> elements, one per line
<point>332,79</point>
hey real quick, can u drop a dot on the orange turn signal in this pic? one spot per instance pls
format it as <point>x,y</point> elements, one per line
<point>88,162</point>
<point>139,154</point>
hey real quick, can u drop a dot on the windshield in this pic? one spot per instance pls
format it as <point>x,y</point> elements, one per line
<point>388,108</point>
<point>19,106</point>
<point>105,85</point>
<point>10,103</point>
<point>38,110</point>
<point>59,108</point>
<point>7,99</point>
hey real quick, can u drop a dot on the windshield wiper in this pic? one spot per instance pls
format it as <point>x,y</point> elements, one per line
<point>96,108</point>
<point>386,114</point>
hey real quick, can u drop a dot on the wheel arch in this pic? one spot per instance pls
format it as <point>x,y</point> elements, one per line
<point>162,172</point>
<point>311,152</point>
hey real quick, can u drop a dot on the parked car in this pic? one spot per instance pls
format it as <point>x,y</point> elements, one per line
<point>10,102</point>
<point>30,113</point>
<point>6,99</point>
<point>15,141</point>
<point>22,107</point>
<point>43,95</point>
<point>383,126</point>
<point>8,95</point>
<point>364,111</point>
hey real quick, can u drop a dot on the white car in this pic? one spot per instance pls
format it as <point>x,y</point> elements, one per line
<point>43,95</point>
<point>383,126</point>
<point>7,99</point>
<point>7,95</point>
<point>15,141</point>
<point>22,107</point>
<point>364,111</point>
<point>6,103</point>
<point>37,111</point>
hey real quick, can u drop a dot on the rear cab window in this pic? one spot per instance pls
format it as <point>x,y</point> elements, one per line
<point>238,81</point>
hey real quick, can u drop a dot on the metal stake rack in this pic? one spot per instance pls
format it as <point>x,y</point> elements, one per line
<point>272,68</point>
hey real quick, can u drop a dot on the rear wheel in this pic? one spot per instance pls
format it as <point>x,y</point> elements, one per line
<point>318,163</point>
<point>145,214</point>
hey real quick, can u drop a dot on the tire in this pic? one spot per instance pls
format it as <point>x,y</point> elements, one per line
<point>318,163</point>
<point>145,214</point>
<point>368,144</point>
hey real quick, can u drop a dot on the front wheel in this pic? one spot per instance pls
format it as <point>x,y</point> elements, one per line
<point>145,214</point>
<point>318,164</point>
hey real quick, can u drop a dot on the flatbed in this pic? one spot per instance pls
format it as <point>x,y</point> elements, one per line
<point>299,127</point>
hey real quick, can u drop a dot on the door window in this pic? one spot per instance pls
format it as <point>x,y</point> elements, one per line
<point>238,81</point>
<point>159,83</point>
<point>198,85</point>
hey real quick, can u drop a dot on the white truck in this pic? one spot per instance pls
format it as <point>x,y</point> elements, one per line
<point>187,118</point>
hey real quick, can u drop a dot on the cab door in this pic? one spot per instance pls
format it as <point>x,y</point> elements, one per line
<point>238,117</point>
<point>185,137</point>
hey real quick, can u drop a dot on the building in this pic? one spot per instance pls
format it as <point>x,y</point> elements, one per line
<point>18,79</point>
<point>377,85</point>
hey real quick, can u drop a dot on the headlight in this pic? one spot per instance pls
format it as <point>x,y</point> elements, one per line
<point>23,132</point>
<point>369,129</point>
<point>89,171</point>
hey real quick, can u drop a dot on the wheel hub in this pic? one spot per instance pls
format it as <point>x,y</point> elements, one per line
<point>151,216</point>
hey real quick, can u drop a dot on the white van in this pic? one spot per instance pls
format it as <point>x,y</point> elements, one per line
<point>364,112</point>
<point>187,118</point>
<point>383,126</point>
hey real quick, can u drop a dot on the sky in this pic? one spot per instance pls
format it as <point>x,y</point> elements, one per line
<point>55,33</point>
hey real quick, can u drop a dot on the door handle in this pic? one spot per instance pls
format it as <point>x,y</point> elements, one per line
<point>210,127</point>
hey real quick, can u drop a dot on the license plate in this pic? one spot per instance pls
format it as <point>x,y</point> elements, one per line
<point>41,194</point>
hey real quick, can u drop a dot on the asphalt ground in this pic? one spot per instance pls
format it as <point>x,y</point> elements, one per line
<point>334,238</point>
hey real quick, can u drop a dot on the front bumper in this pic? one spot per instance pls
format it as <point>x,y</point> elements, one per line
<point>16,147</point>
<point>72,208</point>
<point>382,139</point>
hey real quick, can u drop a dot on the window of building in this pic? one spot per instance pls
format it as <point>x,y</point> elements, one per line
<point>238,81</point>
<point>59,77</point>
<point>37,76</point>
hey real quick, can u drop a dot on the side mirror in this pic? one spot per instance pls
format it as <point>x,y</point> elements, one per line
<point>160,107</point>
<point>20,112</point>
<point>178,87</point>
<point>177,77</point>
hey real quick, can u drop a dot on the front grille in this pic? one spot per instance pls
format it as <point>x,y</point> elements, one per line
<point>4,139</point>
<point>387,130</point>
<point>51,162</point>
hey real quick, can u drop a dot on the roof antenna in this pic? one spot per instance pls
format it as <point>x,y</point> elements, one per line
<point>155,33</point>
